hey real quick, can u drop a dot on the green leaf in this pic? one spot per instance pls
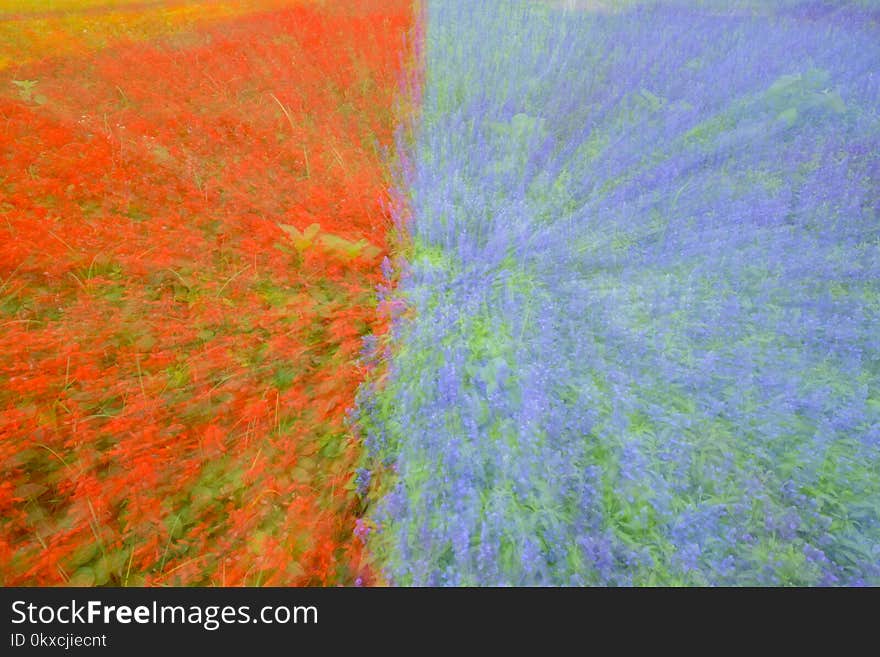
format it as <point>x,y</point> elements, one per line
<point>26,85</point>
<point>25,88</point>
<point>654,102</point>
<point>83,577</point>
<point>789,116</point>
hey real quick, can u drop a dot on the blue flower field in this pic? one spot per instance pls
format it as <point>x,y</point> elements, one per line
<point>636,300</point>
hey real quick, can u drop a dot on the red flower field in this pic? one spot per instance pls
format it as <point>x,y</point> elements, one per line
<point>191,228</point>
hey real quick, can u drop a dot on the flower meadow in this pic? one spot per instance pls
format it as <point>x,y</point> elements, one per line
<point>193,216</point>
<point>440,293</point>
<point>638,329</point>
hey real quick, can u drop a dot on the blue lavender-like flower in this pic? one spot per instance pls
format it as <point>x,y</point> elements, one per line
<point>362,479</point>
